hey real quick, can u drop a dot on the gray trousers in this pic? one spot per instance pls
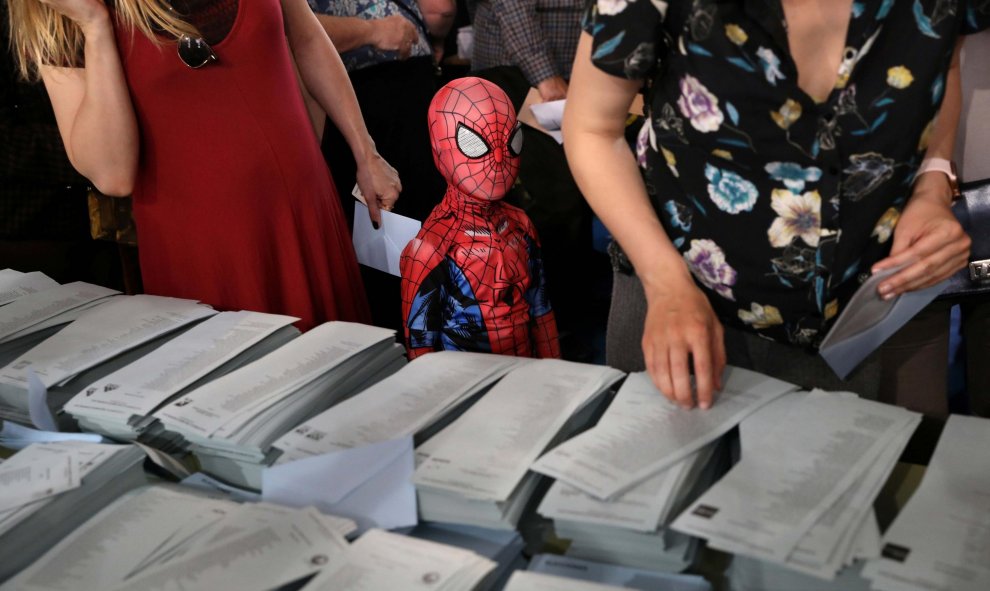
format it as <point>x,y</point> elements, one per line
<point>910,369</point>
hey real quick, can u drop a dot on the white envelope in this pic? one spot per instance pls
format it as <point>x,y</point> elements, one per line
<point>371,484</point>
<point>869,320</point>
<point>380,249</point>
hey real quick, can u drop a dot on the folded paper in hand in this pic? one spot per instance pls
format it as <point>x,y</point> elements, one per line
<point>869,320</point>
<point>381,248</point>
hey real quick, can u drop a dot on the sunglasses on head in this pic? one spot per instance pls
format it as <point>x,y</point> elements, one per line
<point>195,52</point>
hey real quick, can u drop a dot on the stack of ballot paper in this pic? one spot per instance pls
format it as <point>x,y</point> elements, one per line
<point>232,421</point>
<point>476,471</point>
<point>31,315</point>
<point>49,489</point>
<point>533,581</point>
<point>98,342</point>
<point>620,576</point>
<point>411,402</point>
<point>801,495</point>
<point>504,548</point>
<point>165,537</point>
<point>15,284</point>
<point>629,529</point>
<point>642,433</point>
<point>120,404</point>
<point>383,560</point>
<point>941,539</point>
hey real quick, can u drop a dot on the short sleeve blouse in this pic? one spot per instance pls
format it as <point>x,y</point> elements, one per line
<point>779,204</point>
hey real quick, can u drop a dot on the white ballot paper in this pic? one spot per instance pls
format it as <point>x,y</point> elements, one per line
<point>14,284</point>
<point>487,451</point>
<point>869,320</point>
<point>255,547</point>
<point>369,484</point>
<point>223,405</point>
<point>139,388</point>
<point>36,308</point>
<point>533,581</point>
<point>620,576</point>
<point>100,334</point>
<point>36,476</point>
<point>380,561</point>
<point>402,404</point>
<point>643,433</point>
<point>792,471</point>
<point>940,541</point>
<point>380,249</point>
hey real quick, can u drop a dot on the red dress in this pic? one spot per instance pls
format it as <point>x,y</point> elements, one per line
<point>234,204</point>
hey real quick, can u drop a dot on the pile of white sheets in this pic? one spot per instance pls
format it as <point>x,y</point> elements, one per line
<point>801,495</point>
<point>476,471</point>
<point>232,421</point>
<point>940,541</point>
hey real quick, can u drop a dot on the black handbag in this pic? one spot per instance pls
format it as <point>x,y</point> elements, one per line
<point>973,212</point>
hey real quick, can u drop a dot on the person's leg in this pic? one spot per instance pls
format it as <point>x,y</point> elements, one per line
<point>976,339</point>
<point>915,363</point>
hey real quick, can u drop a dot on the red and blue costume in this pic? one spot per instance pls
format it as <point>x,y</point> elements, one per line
<point>473,279</point>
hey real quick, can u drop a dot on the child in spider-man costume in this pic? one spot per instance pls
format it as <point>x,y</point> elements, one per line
<point>472,279</point>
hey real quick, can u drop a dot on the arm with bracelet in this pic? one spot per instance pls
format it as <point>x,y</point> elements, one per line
<point>929,243</point>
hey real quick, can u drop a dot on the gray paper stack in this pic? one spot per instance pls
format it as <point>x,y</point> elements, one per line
<point>476,471</point>
<point>801,495</point>
<point>15,284</point>
<point>98,342</point>
<point>630,529</point>
<point>164,537</point>
<point>621,576</point>
<point>120,404</point>
<point>504,548</point>
<point>35,309</point>
<point>91,476</point>
<point>941,539</point>
<point>383,560</point>
<point>413,401</point>
<point>232,422</point>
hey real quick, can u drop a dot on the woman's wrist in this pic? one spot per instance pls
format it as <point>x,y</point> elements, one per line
<point>934,185</point>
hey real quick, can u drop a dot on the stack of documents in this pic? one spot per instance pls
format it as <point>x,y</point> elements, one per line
<point>502,547</point>
<point>476,471</point>
<point>801,495</point>
<point>49,489</point>
<point>411,402</point>
<point>164,537</point>
<point>14,284</point>
<point>383,560</point>
<point>620,576</point>
<point>233,421</point>
<point>630,529</point>
<point>120,404</point>
<point>533,581</point>
<point>40,381</point>
<point>32,315</point>
<point>642,433</point>
<point>941,539</point>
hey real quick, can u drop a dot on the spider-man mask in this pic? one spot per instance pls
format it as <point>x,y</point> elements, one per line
<point>476,140</point>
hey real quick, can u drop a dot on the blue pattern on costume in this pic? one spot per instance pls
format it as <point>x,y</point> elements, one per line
<point>536,295</point>
<point>465,329</point>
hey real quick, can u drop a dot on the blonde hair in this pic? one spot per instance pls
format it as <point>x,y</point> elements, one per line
<point>40,35</point>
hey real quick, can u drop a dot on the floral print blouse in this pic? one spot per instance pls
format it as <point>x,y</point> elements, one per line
<point>780,205</point>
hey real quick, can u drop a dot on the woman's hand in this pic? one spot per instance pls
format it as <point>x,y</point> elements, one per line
<point>395,33</point>
<point>380,185</point>
<point>681,330</point>
<point>928,240</point>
